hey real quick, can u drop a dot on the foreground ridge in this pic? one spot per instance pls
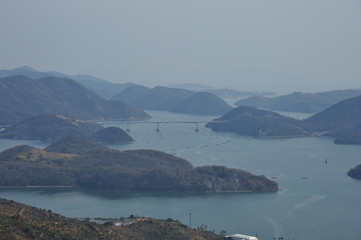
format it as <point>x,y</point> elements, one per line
<point>20,221</point>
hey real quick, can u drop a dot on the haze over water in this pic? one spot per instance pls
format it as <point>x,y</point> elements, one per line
<point>280,46</point>
<point>315,201</point>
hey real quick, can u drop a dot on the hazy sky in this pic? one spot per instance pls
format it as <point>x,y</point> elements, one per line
<point>275,45</point>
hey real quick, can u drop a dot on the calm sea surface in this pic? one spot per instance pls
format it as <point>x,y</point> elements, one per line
<point>315,201</point>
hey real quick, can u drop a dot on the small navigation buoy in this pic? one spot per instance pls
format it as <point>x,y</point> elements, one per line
<point>326,161</point>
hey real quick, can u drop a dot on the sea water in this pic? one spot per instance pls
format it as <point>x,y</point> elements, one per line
<point>316,200</point>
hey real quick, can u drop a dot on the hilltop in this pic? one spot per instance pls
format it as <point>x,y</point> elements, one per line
<point>131,94</point>
<point>20,221</point>
<point>300,102</point>
<point>344,113</point>
<point>22,97</point>
<point>161,98</point>
<point>78,162</point>
<point>52,127</point>
<point>203,103</point>
<point>173,100</point>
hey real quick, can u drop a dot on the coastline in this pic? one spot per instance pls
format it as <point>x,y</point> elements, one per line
<point>3,187</point>
<point>244,191</point>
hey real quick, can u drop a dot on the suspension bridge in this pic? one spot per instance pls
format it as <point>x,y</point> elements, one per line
<point>157,123</point>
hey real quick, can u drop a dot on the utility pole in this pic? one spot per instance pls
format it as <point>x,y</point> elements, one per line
<point>190,220</point>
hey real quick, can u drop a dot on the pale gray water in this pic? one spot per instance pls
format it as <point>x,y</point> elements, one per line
<point>326,205</point>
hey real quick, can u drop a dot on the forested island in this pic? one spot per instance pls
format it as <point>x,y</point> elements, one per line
<point>341,121</point>
<point>73,161</point>
<point>51,127</point>
<point>20,221</point>
<point>355,172</point>
<point>254,122</point>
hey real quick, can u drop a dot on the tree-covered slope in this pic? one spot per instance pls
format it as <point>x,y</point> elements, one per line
<point>22,222</point>
<point>73,162</point>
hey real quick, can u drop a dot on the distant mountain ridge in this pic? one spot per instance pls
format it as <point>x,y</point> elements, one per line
<point>220,92</point>
<point>173,100</point>
<point>300,102</point>
<point>189,86</point>
<point>22,97</point>
<point>161,98</point>
<point>102,87</point>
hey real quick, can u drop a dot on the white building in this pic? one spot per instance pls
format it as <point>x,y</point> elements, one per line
<point>242,237</point>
